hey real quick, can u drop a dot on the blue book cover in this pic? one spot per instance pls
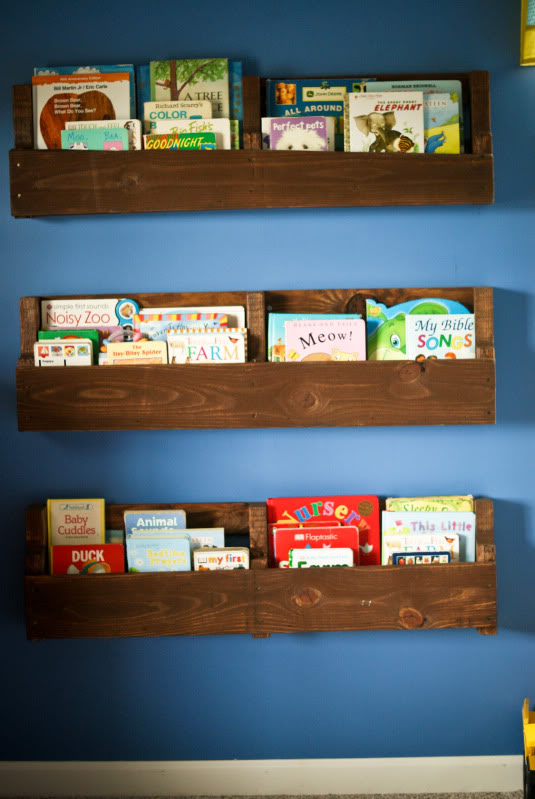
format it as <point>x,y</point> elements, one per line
<point>92,70</point>
<point>276,335</point>
<point>95,139</point>
<point>205,537</point>
<point>286,97</point>
<point>154,522</point>
<point>236,101</point>
<point>142,72</point>
<point>164,553</point>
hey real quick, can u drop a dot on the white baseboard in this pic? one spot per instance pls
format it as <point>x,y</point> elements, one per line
<point>262,777</point>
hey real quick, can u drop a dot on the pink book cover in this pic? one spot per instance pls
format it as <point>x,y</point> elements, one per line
<point>325,340</point>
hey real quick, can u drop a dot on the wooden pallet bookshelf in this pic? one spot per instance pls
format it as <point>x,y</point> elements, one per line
<point>259,601</point>
<point>52,182</point>
<point>258,394</point>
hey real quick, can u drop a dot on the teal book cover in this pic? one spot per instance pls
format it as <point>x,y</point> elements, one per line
<point>95,139</point>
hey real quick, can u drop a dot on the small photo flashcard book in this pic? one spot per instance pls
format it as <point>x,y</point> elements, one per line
<point>68,352</point>
<point>216,558</point>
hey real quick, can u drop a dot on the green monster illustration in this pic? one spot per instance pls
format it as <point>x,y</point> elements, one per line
<point>387,343</point>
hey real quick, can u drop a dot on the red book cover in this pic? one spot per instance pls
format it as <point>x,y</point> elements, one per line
<point>87,559</point>
<point>358,511</point>
<point>288,537</point>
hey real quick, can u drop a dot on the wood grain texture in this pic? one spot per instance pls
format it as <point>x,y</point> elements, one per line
<point>256,395</point>
<point>51,183</point>
<point>262,601</point>
<point>22,117</point>
<point>263,394</point>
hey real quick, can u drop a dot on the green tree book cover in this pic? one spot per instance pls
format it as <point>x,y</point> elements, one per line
<point>192,79</point>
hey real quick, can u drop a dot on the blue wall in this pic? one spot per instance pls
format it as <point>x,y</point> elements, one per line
<point>451,692</point>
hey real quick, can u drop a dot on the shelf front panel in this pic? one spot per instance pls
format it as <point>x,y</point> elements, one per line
<point>262,602</point>
<point>256,395</point>
<point>51,182</point>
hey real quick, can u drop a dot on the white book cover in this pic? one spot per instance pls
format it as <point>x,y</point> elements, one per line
<point>384,122</point>
<point>221,345</point>
<point>56,352</point>
<point>132,127</point>
<point>443,523</point>
<point>266,131</point>
<point>159,110</point>
<point>221,128</point>
<point>440,336</point>
<point>58,99</point>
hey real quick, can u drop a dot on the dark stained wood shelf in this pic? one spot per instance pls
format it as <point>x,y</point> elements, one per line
<point>52,182</point>
<point>259,601</point>
<point>261,394</point>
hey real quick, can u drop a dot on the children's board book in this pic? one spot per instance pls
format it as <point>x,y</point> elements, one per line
<point>107,139</point>
<point>126,353</point>
<point>142,72</point>
<point>235,88</point>
<point>266,131</point>
<point>75,521</point>
<point>216,558</point>
<point>286,537</point>
<point>361,511</point>
<point>154,522</point>
<point>162,553</point>
<point>131,126</point>
<point>437,504</point>
<point>441,123</point>
<point>55,335</point>
<point>88,313</point>
<point>87,559</point>
<point>452,87</point>
<point>205,537</point>
<point>446,523</point>
<point>288,97</point>
<point>235,313</point>
<point>155,326</point>
<point>174,110</point>
<point>325,340</point>
<point>221,128</point>
<point>192,79</point>
<point>423,543</point>
<point>384,122</point>
<point>420,558</point>
<point>386,325</point>
<point>298,133</point>
<point>223,345</point>
<point>78,352</point>
<point>440,336</point>
<point>101,68</point>
<point>276,334</point>
<point>313,558</point>
<point>64,98</point>
<point>180,141</point>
